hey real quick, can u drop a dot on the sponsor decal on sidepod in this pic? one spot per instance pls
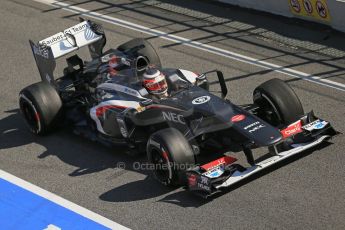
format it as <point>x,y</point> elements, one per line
<point>177,118</point>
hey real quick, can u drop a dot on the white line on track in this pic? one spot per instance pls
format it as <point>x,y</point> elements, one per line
<point>197,45</point>
<point>60,201</point>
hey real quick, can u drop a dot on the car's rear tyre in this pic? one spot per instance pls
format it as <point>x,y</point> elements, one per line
<point>170,155</point>
<point>148,52</point>
<point>279,103</point>
<point>40,105</point>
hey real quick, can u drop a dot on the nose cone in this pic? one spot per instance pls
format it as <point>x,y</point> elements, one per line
<point>262,133</point>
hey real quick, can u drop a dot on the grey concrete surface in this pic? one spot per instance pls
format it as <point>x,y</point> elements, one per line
<point>280,7</point>
<point>307,193</point>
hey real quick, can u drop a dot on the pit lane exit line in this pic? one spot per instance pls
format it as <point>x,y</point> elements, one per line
<point>194,44</point>
<point>26,206</point>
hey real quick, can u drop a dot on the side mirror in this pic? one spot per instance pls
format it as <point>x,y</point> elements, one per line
<point>222,83</point>
<point>146,102</point>
<point>207,75</point>
<point>201,77</point>
<point>202,82</point>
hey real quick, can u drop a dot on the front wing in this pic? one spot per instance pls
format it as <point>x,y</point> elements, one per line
<point>304,134</point>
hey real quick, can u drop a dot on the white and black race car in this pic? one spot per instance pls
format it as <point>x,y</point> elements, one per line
<point>108,103</point>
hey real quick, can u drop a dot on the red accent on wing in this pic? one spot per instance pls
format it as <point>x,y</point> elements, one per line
<point>165,155</point>
<point>226,160</point>
<point>101,110</point>
<point>292,129</point>
<point>237,118</point>
<point>37,116</point>
<point>192,180</point>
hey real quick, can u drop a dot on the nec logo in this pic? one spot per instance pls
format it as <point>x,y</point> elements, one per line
<point>178,118</point>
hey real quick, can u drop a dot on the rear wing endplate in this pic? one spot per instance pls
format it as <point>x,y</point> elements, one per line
<point>86,33</point>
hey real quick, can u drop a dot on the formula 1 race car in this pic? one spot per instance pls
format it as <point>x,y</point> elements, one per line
<point>108,103</point>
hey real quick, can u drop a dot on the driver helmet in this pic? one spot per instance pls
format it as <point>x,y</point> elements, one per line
<point>113,61</point>
<point>113,64</point>
<point>154,81</point>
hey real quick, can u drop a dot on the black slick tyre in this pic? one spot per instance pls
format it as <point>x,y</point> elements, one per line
<point>147,51</point>
<point>280,99</point>
<point>40,105</point>
<point>171,155</point>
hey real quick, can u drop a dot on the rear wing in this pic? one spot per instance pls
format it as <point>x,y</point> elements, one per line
<point>86,33</point>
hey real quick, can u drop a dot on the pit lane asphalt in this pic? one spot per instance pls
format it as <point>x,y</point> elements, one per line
<point>307,193</point>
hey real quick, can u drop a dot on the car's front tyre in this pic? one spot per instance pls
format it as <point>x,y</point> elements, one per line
<point>278,102</point>
<point>170,154</point>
